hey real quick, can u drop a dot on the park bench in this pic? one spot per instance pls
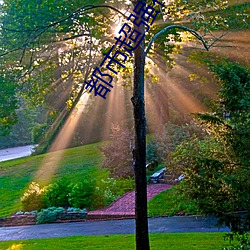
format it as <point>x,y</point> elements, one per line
<point>155,177</point>
<point>182,176</point>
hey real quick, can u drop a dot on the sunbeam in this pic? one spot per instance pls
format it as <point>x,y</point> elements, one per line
<point>50,163</point>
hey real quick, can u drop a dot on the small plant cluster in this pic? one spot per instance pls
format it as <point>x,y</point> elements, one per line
<point>48,215</point>
<point>51,214</point>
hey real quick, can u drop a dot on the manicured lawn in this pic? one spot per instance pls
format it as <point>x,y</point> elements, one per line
<point>173,241</point>
<point>16,175</point>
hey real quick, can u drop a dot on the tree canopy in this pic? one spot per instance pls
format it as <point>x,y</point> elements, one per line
<point>53,46</point>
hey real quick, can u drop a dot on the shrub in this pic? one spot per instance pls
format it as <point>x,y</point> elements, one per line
<point>33,197</point>
<point>123,185</point>
<point>103,194</point>
<point>81,194</point>
<point>48,215</point>
<point>109,189</point>
<point>38,131</point>
<point>243,242</point>
<point>57,193</point>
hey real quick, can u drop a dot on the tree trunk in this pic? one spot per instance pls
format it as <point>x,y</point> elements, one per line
<point>139,151</point>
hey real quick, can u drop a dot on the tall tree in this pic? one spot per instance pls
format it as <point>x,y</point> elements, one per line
<point>139,151</point>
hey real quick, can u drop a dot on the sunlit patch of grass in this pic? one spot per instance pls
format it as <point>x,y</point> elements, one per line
<point>16,247</point>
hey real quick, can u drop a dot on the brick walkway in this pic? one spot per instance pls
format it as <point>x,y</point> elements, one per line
<point>124,207</point>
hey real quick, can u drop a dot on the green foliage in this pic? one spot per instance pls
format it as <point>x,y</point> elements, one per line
<point>216,168</point>
<point>21,132</point>
<point>57,193</point>
<point>118,153</point>
<point>108,190</point>
<point>81,194</point>
<point>236,16</point>
<point>242,241</point>
<point>103,193</point>
<point>32,198</point>
<point>8,105</point>
<point>205,175</point>
<point>38,131</point>
<point>89,193</point>
<point>35,43</point>
<point>166,141</point>
<point>48,215</point>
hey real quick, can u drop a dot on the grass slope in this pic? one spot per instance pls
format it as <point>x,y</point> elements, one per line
<point>16,175</point>
<point>169,202</point>
<point>173,241</point>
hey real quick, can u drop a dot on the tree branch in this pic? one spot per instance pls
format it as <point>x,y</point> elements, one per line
<point>166,29</point>
<point>42,29</point>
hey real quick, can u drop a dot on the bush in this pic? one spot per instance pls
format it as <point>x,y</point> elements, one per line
<point>48,215</point>
<point>103,194</point>
<point>109,189</point>
<point>123,185</point>
<point>57,193</point>
<point>243,242</point>
<point>33,198</point>
<point>38,131</point>
<point>81,194</point>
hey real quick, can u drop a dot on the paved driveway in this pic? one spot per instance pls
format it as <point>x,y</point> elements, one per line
<point>156,225</point>
<point>14,153</point>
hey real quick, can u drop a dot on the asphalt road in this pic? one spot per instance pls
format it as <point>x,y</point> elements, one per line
<point>14,153</point>
<point>156,225</point>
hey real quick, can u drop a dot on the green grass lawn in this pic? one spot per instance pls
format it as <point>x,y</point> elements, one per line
<point>16,175</point>
<point>169,203</point>
<point>172,241</point>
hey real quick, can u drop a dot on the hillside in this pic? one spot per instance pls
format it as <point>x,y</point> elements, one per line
<point>16,175</point>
